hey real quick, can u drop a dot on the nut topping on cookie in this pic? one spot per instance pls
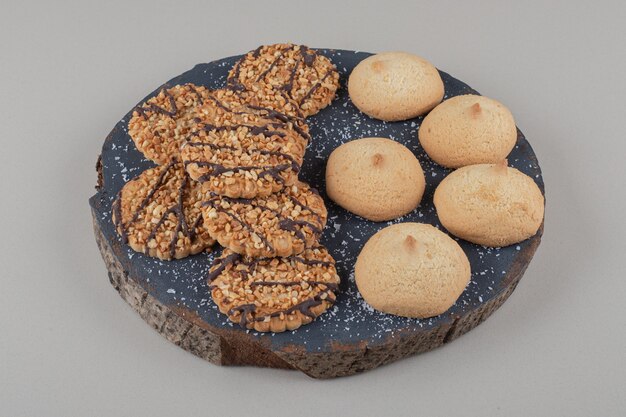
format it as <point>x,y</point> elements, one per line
<point>274,294</point>
<point>282,224</point>
<point>158,213</point>
<point>306,76</point>
<point>245,150</point>
<point>159,126</point>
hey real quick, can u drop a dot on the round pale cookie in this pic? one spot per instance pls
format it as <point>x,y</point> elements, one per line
<point>467,130</point>
<point>274,294</point>
<point>491,205</point>
<point>411,270</point>
<point>377,178</point>
<point>281,224</point>
<point>307,77</point>
<point>159,213</point>
<point>395,86</point>
<point>159,126</point>
<point>244,148</point>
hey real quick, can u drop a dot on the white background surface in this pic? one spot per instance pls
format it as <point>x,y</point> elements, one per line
<point>69,345</point>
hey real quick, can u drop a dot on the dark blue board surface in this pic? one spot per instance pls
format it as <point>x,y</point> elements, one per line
<point>182,283</point>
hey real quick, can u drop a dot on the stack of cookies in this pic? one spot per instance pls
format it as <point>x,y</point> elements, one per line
<point>228,164</point>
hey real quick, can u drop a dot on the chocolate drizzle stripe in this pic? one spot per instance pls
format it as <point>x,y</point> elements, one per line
<point>150,195</point>
<point>194,227</point>
<point>288,86</point>
<point>276,115</point>
<point>218,169</point>
<point>274,172</point>
<point>245,225</point>
<point>284,223</point>
<point>290,226</point>
<point>310,262</point>
<point>269,68</point>
<point>156,109</point>
<point>297,202</point>
<point>247,311</point>
<point>257,52</point>
<point>250,151</point>
<point>234,84</point>
<point>244,310</point>
<point>196,92</point>
<point>273,114</point>
<point>175,234</point>
<point>141,112</point>
<point>117,218</point>
<point>234,75</point>
<point>183,221</point>
<point>177,210</point>
<point>223,264</point>
<point>303,307</point>
<point>330,285</point>
<point>267,112</point>
<point>232,258</point>
<point>307,57</point>
<point>144,203</point>
<point>219,104</point>
<point>254,130</point>
<point>162,220</point>
<point>314,88</point>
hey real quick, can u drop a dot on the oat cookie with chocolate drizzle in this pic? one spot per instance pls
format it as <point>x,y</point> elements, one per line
<point>274,294</point>
<point>244,147</point>
<point>281,224</point>
<point>159,213</point>
<point>224,104</point>
<point>159,126</point>
<point>309,78</point>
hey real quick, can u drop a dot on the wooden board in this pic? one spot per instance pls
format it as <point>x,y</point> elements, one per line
<point>173,297</point>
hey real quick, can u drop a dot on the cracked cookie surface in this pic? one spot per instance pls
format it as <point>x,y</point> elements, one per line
<point>307,77</point>
<point>274,294</point>
<point>159,213</point>
<point>281,224</point>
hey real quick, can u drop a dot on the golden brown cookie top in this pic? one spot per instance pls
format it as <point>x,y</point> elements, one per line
<point>274,294</point>
<point>468,130</point>
<point>224,105</point>
<point>395,86</point>
<point>159,213</point>
<point>490,204</point>
<point>411,270</point>
<point>281,224</point>
<point>159,126</point>
<point>307,77</point>
<point>377,178</point>
<point>246,144</point>
<point>244,160</point>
